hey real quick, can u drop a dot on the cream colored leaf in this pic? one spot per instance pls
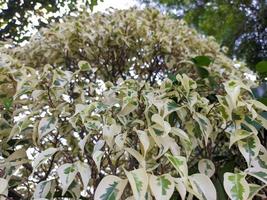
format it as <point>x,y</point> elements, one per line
<point>85,171</point>
<point>206,166</point>
<point>46,125</point>
<point>181,188</point>
<point>202,185</point>
<point>66,173</point>
<point>43,156</point>
<point>162,187</point>
<point>139,182</point>
<point>97,157</point>
<point>110,188</point>
<point>236,186</point>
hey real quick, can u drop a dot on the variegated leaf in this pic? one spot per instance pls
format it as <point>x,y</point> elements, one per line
<point>110,188</point>
<point>139,182</point>
<point>66,173</point>
<point>162,187</point>
<point>236,186</point>
<point>206,166</point>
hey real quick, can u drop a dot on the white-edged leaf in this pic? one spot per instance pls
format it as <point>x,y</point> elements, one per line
<point>139,182</point>
<point>204,125</point>
<point>180,164</point>
<point>43,189</point>
<point>109,132</point>
<point>236,186</point>
<point>202,185</point>
<point>237,135</point>
<point>85,171</point>
<point>144,139</point>
<point>161,124</point>
<point>253,190</point>
<point>110,188</point>
<point>181,188</point>
<point>206,166</point>
<point>261,160</point>
<point>97,157</point>
<point>4,186</point>
<point>250,148</point>
<point>258,173</point>
<point>46,125</point>
<point>162,187</point>
<point>66,173</point>
<point>43,156</point>
<point>83,142</point>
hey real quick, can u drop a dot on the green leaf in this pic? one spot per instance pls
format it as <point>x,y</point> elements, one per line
<point>261,67</point>
<point>202,72</point>
<point>7,103</point>
<point>202,60</point>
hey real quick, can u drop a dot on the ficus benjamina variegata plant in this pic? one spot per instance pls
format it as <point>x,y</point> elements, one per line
<point>128,105</point>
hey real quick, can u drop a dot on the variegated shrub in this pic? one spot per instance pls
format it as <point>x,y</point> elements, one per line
<point>128,105</point>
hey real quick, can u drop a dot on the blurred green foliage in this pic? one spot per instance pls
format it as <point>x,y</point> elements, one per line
<point>241,25</point>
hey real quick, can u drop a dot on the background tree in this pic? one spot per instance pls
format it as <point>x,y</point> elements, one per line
<point>20,17</point>
<point>241,25</point>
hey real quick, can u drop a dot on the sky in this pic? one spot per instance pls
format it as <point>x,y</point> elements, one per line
<point>119,4</point>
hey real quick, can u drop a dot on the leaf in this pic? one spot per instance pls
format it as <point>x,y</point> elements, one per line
<point>261,160</point>
<point>85,171</point>
<point>161,124</point>
<point>43,189</point>
<point>66,173</point>
<point>46,125</point>
<point>162,187</point>
<point>110,188</point>
<point>180,164</point>
<point>261,67</point>
<point>202,185</point>
<point>84,65</point>
<point>4,186</point>
<point>144,139</point>
<point>128,108</point>
<point>253,190</point>
<point>180,186</point>
<point>43,156</point>
<point>139,182</point>
<point>202,60</point>
<point>250,148</point>
<point>202,72</point>
<point>109,132</point>
<point>206,166</point>
<point>204,125</point>
<point>236,186</point>
<point>237,135</point>
<point>258,173</point>
<point>97,156</point>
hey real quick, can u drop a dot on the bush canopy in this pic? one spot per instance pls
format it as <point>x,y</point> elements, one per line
<point>128,105</point>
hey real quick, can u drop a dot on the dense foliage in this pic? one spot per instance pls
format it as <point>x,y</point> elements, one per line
<point>18,18</point>
<point>240,25</point>
<point>128,105</point>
